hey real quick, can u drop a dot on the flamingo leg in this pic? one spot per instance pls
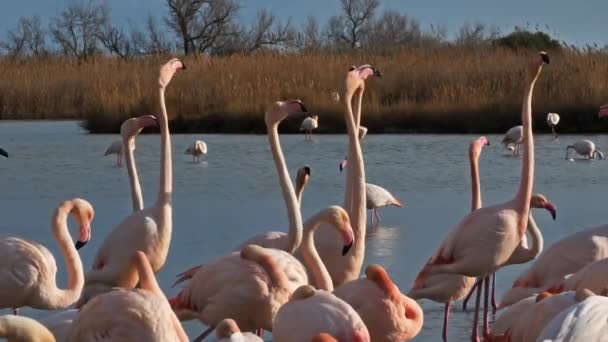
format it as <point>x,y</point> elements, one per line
<point>446,316</point>
<point>486,295</point>
<point>203,335</point>
<point>377,215</point>
<point>494,306</point>
<point>466,299</point>
<point>475,334</point>
<point>371,217</point>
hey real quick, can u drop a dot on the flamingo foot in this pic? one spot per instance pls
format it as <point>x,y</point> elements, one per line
<point>188,274</point>
<point>203,335</point>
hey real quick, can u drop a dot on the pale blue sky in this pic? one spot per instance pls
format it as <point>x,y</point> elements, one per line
<point>582,21</point>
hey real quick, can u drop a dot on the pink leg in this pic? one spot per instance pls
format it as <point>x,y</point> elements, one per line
<point>486,295</point>
<point>203,335</point>
<point>475,334</point>
<point>466,299</point>
<point>446,316</point>
<point>494,306</point>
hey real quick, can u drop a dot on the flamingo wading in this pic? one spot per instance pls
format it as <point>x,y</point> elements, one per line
<point>197,149</point>
<point>585,148</point>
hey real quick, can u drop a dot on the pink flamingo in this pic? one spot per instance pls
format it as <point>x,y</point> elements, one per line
<point>308,124</point>
<point>323,312</point>
<point>594,277</point>
<point>508,316</point>
<point>148,230</point>
<point>141,314</point>
<point>29,269</point>
<point>474,250</point>
<point>251,287</point>
<point>228,331</point>
<point>23,329</point>
<point>115,148</point>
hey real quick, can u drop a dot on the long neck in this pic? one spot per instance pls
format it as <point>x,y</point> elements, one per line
<point>136,197</point>
<point>294,235</point>
<point>522,198</point>
<point>355,174</point>
<point>475,187</point>
<point>536,237</point>
<point>299,194</point>
<point>166,176</point>
<point>23,329</point>
<point>351,183</point>
<point>311,258</point>
<point>61,298</point>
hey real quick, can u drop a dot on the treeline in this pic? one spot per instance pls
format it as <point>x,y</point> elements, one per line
<point>84,66</point>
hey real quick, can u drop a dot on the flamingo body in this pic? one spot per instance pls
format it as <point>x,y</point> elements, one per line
<point>23,329</point>
<point>229,331</point>
<point>115,148</point>
<point>308,124</point>
<point>197,149</point>
<point>585,148</point>
<point>513,138</point>
<point>582,322</point>
<point>378,197</point>
<point>508,317</point>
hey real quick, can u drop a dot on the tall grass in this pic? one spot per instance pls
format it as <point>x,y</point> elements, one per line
<point>447,89</point>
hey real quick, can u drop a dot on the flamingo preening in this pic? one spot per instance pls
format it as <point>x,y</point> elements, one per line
<point>552,121</point>
<point>585,148</point>
<point>513,139</point>
<point>197,149</point>
<point>3,153</point>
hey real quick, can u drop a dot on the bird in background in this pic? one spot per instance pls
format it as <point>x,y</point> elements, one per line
<point>308,125</point>
<point>552,121</point>
<point>197,149</point>
<point>115,148</point>
<point>585,148</point>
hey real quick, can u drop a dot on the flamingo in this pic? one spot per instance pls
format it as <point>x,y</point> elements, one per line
<point>552,121</point>
<point>197,149</point>
<point>251,287</point>
<point>148,230</point>
<point>335,96</point>
<point>228,331</point>
<point>323,312</point>
<point>129,129</point>
<point>377,197</point>
<point>513,138</point>
<point>3,153</point>
<point>362,132</point>
<point>302,177</point>
<point>485,239</point>
<point>581,322</point>
<point>564,257</point>
<point>308,124</point>
<point>344,269</point>
<point>603,111</point>
<point>273,116</point>
<point>507,317</point>
<point>29,270</point>
<point>594,277</point>
<point>115,148</point>
<point>23,329</point>
<point>585,148</point>
<point>141,314</point>
<point>388,314</point>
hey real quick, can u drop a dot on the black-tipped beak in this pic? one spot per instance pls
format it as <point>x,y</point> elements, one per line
<point>184,66</point>
<point>377,72</point>
<point>545,58</point>
<point>307,170</point>
<point>346,248</point>
<point>3,152</point>
<point>303,108</point>
<point>80,244</point>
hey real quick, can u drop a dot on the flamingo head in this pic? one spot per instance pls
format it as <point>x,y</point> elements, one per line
<point>323,337</point>
<point>302,176</point>
<point>167,71</point>
<point>226,328</point>
<point>537,64</point>
<point>337,217</point>
<point>355,79</point>
<point>477,145</point>
<point>540,201</point>
<point>279,110</point>
<point>598,154</point>
<point>130,128</point>
<point>83,213</point>
<point>343,163</point>
<point>603,113</point>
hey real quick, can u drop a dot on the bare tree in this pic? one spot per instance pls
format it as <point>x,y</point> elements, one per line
<point>116,41</point>
<point>476,34</point>
<point>391,30</point>
<point>152,41</point>
<point>77,28</point>
<point>354,22</point>
<point>267,31</point>
<point>27,38</point>
<point>310,37</point>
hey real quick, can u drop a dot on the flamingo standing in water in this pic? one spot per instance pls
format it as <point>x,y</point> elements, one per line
<point>115,148</point>
<point>228,331</point>
<point>197,149</point>
<point>29,270</point>
<point>585,148</point>
<point>308,124</point>
<point>377,197</point>
<point>513,139</point>
<point>148,230</point>
<point>486,238</point>
<point>23,329</point>
<point>552,121</point>
<point>324,312</point>
<point>141,314</point>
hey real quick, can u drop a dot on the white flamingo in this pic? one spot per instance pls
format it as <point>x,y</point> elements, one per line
<point>513,139</point>
<point>229,331</point>
<point>378,197</point>
<point>585,148</point>
<point>310,123</point>
<point>552,121</point>
<point>115,148</point>
<point>197,149</point>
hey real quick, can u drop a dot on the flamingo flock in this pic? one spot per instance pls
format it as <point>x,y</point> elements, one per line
<point>304,284</point>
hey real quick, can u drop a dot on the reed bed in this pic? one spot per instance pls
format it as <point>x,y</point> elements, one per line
<point>424,90</point>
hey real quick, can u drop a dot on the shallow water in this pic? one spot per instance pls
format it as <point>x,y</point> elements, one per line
<point>234,194</point>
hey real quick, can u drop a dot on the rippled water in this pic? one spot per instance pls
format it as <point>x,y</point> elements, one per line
<point>234,193</point>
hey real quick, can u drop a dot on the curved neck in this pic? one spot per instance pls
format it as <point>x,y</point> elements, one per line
<point>136,197</point>
<point>23,329</point>
<point>294,216</point>
<point>166,176</point>
<point>536,238</point>
<point>60,298</point>
<point>311,258</point>
<point>475,186</point>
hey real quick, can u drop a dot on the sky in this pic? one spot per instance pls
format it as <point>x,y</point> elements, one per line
<point>576,22</point>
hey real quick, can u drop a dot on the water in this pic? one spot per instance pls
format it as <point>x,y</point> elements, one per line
<point>234,194</point>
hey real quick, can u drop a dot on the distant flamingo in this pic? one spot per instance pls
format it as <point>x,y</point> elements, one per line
<point>513,138</point>
<point>335,96</point>
<point>585,148</point>
<point>148,230</point>
<point>377,197</point>
<point>115,148</point>
<point>310,123</point>
<point>362,132</point>
<point>197,149</point>
<point>23,329</point>
<point>471,248</point>
<point>29,270</point>
<point>323,312</point>
<point>348,268</point>
<point>228,331</point>
<point>552,121</point>
<point>129,129</point>
<point>3,153</point>
<point>276,113</point>
<point>251,287</point>
<point>603,111</point>
<point>141,314</point>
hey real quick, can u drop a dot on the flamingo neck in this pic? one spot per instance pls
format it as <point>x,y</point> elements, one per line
<point>536,238</point>
<point>61,298</point>
<point>166,176</point>
<point>294,235</point>
<point>136,196</point>
<point>475,186</point>
<point>311,258</point>
<point>23,329</point>
<point>299,194</point>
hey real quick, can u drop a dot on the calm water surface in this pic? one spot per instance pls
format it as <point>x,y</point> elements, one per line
<point>234,194</point>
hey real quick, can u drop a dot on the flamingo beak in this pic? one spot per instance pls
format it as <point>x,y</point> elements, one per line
<point>85,235</point>
<point>346,248</point>
<point>545,58</point>
<point>377,72</point>
<point>551,208</point>
<point>343,163</point>
<point>80,244</point>
<point>307,170</point>
<point>3,152</point>
<point>348,238</point>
